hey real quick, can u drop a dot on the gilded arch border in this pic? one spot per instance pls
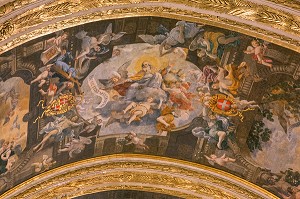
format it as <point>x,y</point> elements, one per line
<point>273,24</point>
<point>136,172</point>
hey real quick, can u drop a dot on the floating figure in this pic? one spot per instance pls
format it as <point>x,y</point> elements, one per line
<point>46,164</point>
<point>258,52</point>
<point>96,43</point>
<point>76,146</point>
<point>55,129</point>
<point>165,122</point>
<point>96,121</point>
<point>226,84</point>
<point>244,104</point>
<point>138,142</point>
<point>218,129</point>
<point>169,40</point>
<point>222,161</point>
<point>6,151</point>
<point>142,85</point>
<point>140,109</point>
<point>42,77</point>
<point>178,96</point>
<point>51,91</point>
<point>208,44</point>
<point>109,36</point>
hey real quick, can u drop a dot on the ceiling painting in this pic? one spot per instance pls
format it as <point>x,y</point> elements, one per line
<point>154,86</point>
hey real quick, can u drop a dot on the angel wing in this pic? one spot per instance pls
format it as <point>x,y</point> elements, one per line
<point>122,70</point>
<point>108,29</point>
<point>85,140</point>
<point>153,40</point>
<point>81,34</point>
<point>118,36</point>
<point>162,30</point>
<point>42,69</point>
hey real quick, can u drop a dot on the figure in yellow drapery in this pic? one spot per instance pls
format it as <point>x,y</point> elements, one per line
<point>234,81</point>
<point>228,84</point>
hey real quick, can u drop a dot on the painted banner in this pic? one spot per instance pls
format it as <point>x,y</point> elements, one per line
<point>97,91</point>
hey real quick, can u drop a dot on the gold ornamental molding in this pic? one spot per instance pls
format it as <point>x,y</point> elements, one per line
<point>136,172</point>
<point>259,20</point>
<point>294,4</point>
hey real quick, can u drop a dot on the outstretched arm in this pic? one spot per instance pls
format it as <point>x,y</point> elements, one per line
<point>130,142</point>
<point>208,158</point>
<point>83,53</point>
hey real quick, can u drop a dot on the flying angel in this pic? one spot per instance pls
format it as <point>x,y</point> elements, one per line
<point>169,40</point>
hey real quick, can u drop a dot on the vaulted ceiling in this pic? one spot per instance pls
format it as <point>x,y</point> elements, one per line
<point>190,98</point>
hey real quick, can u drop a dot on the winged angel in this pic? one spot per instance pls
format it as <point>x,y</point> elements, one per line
<point>95,45</point>
<point>170,40</point>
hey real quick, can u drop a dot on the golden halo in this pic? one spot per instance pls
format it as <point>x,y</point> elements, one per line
<point>137,65</point>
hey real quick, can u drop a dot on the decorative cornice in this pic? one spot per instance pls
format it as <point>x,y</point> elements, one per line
<point>135,172</point>
<point>268,23</point>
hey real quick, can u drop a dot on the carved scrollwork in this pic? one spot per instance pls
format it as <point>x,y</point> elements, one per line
<point>230,14</point>
<point>136,172</point>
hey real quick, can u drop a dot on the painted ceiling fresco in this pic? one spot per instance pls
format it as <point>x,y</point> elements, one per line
<point>153,86</point>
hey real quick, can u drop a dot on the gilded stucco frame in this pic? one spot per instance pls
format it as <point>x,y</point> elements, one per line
<point>136,172</point>
<point>276,25</point>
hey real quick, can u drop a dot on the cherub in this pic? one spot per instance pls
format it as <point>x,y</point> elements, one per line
<point>258,52</point>
<point>51,91</point>
<point>61,39</point>
<point>139,110</point>
<point>10,163</point>
<point>222,161</point>
<point>42,77</point>
<point>46,163</point>
<point>138,142</point>
<point>76,146</point>
<point>244,104</point>
<point>178,96</point>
